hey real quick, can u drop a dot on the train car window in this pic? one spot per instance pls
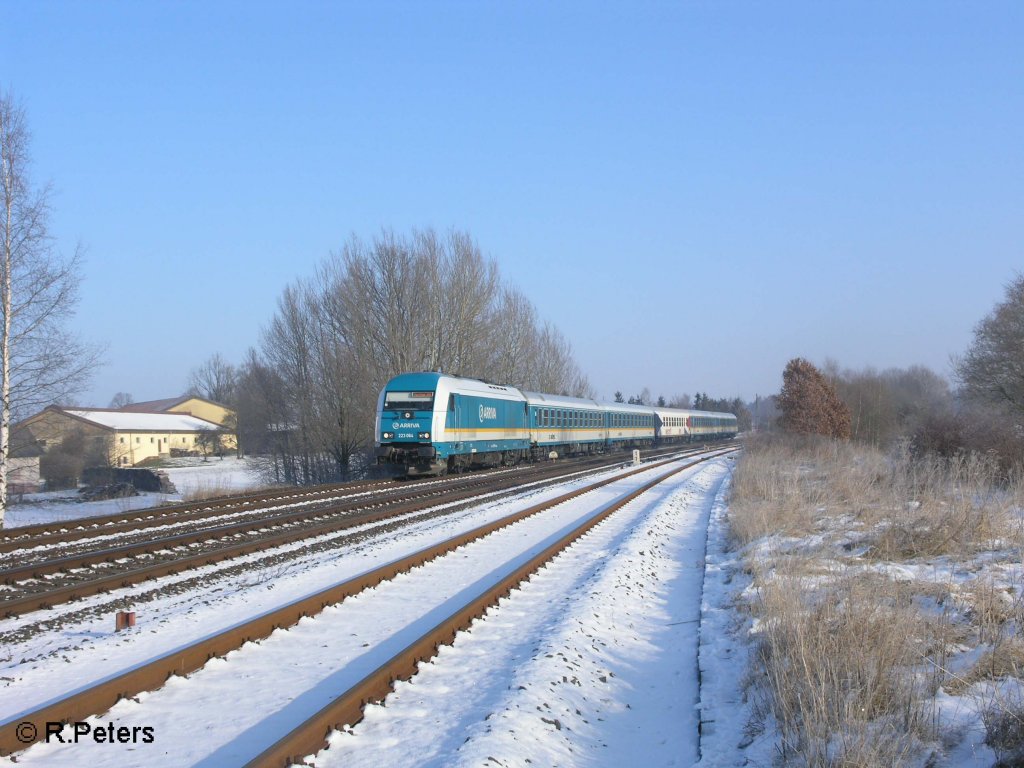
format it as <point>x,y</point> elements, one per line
<point>451,403</point>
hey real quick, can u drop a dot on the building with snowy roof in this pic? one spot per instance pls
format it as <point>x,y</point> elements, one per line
<point>127,437</point>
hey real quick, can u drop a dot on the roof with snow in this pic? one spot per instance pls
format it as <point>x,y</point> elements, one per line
<point>125,421</point>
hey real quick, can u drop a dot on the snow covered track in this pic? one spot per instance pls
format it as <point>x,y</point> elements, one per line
<point>347,709</point>
<point>186,659</point>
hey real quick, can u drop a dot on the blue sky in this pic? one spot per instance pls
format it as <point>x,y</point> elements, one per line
<point>692,192</point>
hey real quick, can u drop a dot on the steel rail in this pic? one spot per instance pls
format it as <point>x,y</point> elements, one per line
<point>177,517</point>
<point>95,700</point>
<point>99,524</point>
<point>401,506</point>
<point>45,534</point>
<point>42,567</point>
<point>90,557</point>
<point>356,514</point>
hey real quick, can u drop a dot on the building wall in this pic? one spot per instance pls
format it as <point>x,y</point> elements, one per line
<point>131,448</point>
<point>127,448</point>
<point>209,411</point>
<point>50,427</point>
<point>204,409</point>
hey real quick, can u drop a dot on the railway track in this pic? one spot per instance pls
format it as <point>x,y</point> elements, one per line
<point>34,579</point>
<point>27,536</point>
<point>346,709</point>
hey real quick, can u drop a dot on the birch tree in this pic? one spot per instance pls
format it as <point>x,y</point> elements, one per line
<point>40,361</point>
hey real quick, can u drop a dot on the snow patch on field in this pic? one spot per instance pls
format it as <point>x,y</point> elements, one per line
<point>191,476</point>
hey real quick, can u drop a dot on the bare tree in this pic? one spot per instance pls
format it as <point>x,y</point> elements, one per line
<point>890,404</point>
<point>681,401</point>
<point>216,380</point>
<point>40,361</point>
<point>992,370</point>
<point>121,399</point>
<point>374,310</point>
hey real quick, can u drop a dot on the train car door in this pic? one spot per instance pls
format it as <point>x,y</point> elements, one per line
<point>453,419</point>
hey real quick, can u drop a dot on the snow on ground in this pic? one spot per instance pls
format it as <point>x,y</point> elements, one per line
<point>591,662</point>
<point>724,656</point>
<point>191,477</point>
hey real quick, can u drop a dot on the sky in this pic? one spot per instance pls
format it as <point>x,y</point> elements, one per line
<point>693,193</point>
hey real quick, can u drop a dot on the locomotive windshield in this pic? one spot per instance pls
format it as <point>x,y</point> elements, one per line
<point>409,401</point>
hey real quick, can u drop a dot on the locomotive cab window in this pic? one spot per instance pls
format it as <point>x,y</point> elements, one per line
<point>410,401</point>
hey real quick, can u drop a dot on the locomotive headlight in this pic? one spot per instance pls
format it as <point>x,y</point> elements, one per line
<point>424,435</point>
<point>388,435</point>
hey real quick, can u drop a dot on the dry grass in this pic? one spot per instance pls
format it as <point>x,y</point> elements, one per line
<point>850,658</point>
<point>835,664</point>
<point>1004,730</point>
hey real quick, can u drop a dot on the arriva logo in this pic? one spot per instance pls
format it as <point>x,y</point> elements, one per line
<point>486,412</point>
<point>404,425</point>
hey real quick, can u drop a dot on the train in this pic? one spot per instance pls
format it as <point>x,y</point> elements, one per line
<point>432,423</point>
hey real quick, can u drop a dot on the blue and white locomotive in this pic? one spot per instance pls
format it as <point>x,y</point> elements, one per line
<point>431,423</point>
